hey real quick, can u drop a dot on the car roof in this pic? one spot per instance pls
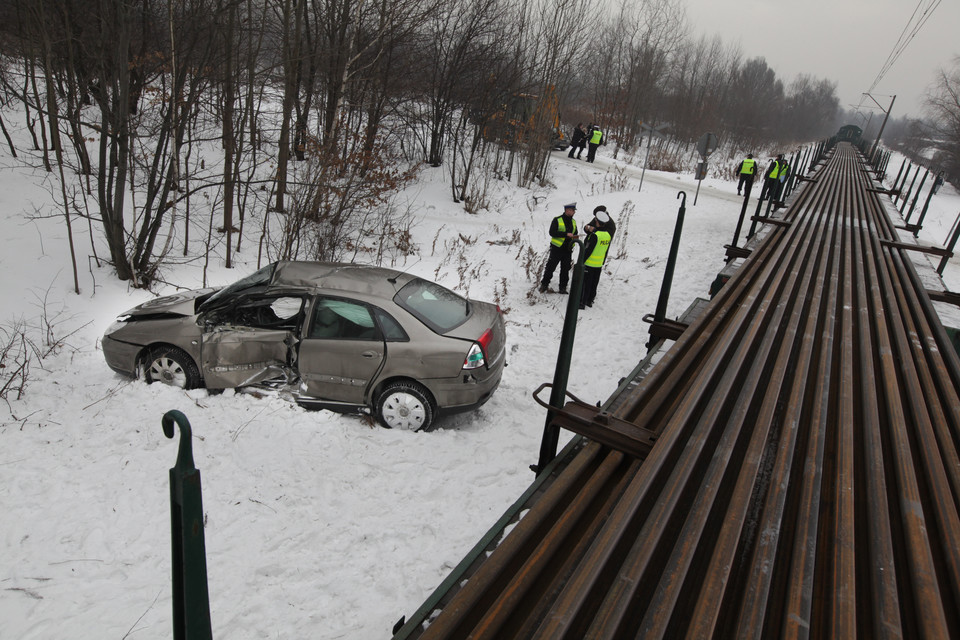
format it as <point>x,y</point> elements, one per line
<point>343,276</point>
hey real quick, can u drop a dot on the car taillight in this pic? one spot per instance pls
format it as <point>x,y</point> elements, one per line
<point>477,355</point>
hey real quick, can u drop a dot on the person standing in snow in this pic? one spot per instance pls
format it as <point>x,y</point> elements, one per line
<point>578,141</point>
<point>609,226</point>
<point>776,173</point>
<point>594,139</point>
<point>563,231</point>
<point>595,248</point>
<point>747,169</point>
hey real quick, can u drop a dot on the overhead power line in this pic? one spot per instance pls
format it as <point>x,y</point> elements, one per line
<point>910,30</point>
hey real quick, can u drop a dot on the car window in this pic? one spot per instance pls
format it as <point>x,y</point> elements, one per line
<point>343,320</point>
<point>269,312</point>
<point>437,307</point>
<point>392,330</point>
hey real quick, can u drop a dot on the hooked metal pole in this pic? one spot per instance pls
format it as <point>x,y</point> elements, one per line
<point>661,313</point>
<point>913,205</point>
<point>743,213</point>
<point>551,432</point>
<point>903,205</point>
<point>191,600</point>
<point>951,245</point>
<point>923,212</point>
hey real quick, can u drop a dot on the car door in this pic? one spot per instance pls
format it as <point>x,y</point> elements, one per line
<point>340,352</point>
<point>250,341</point>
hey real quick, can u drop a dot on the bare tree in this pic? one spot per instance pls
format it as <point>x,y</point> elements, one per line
<point>943,105</point>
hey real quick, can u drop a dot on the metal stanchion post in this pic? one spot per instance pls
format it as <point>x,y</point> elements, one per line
<point>191,600</point>
<point>561,374</point>
<point>661,313</point>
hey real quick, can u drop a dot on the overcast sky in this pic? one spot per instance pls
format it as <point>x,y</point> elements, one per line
<point>845,41</point>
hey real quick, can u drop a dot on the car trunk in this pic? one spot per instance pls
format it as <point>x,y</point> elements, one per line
<point>483,316</point>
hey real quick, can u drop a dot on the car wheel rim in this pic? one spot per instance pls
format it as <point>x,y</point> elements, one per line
<point>168,371</point>
<point>403,411</point>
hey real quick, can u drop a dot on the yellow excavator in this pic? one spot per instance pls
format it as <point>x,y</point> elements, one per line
<point>528,118</point>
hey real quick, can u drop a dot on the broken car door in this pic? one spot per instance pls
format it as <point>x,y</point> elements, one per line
<point>251,341</point>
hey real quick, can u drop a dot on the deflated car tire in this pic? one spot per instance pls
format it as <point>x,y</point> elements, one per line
<point>172,366</point>
<point>405,405</point>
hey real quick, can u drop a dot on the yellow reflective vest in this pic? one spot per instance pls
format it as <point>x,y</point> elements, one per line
<point>779,168</point>
<point>748,166</point>
<point>562,228</point>
<point>599,253</point>
<point>596,137</point>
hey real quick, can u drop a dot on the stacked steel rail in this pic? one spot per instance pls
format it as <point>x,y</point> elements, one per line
<point>805,478</point>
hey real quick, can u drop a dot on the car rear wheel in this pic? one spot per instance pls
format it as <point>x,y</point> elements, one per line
<point>405,405</point>
<point>172,366</point>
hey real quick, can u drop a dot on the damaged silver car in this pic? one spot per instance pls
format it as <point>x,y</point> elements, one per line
<point>337,336</point>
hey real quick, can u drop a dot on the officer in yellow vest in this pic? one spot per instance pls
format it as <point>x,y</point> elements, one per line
<point>776,174</point>
<point>594,140</point>
<point>595,248</point>
<point>563,231</point>
<point>747,170</point>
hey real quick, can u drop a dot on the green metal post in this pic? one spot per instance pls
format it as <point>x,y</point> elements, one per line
<point>913,205</point>
<point>923,212</point>
<point>551,433</point>
<point>661,313</point>
<point>743,213</point>
<point>191,600</point>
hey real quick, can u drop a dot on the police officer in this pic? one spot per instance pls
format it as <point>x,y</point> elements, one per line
<point>594,140</point>
<point>578,141</point>
<point>563,231</point>
<point>776,173</point>
<point>747,170</point>
<point>595,248</point>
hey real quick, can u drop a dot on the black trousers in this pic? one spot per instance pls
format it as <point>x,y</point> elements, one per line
<point>745,178</point>
<point>560,257</point>
<point>592,153</point>
<point>578,148</point>
<point>591,278</point>
<point>771,189</point>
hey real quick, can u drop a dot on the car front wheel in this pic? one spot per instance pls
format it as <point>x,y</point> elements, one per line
<point>172,366</point>
<point>405,405</point>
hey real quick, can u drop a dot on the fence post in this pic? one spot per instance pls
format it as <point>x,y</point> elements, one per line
<point>191,600</point>
<point>551,433</point>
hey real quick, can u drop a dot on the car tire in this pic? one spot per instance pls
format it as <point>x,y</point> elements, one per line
<point>405,405</point>
<point>171,366</point>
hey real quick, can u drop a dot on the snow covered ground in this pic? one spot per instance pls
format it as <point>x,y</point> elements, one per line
<point>318,525</point>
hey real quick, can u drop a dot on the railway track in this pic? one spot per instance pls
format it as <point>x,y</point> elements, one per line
<point>789,469</point>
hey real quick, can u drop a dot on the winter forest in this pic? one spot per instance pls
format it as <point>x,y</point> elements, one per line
<point>321,111</point>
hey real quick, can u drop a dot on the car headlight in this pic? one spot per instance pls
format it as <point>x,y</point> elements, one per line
<point>117,324</point>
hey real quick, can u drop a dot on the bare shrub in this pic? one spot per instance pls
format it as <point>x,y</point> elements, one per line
<point>662,159</point>
<point>342,205</point>
<point>16,353</point>
<point>507,242</point>
<point>623,230</point>
<point>532,262</point>
<point>615,179</point>
<point>500,295</point>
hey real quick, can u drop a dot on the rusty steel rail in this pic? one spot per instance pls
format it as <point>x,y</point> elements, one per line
<point>804,476</point>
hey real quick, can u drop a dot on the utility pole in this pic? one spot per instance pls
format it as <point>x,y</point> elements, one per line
<point>886,115</point>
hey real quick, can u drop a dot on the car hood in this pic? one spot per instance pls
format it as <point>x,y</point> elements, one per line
<point>183,303</point>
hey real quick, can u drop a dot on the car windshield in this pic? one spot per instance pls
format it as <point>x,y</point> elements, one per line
<point>255,279</point>
<point>437,307</point>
